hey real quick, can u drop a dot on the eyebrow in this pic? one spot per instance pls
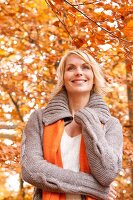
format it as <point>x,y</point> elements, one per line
<point>74,64</point>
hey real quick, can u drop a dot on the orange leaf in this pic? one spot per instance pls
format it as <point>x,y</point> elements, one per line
<point>83,24</point>
<point>130,24</point>
<point>78,42</point>
<point>58,1</point>
<point>56,23</point>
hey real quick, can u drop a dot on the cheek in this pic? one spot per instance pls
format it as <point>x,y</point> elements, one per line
<point>90,75</point>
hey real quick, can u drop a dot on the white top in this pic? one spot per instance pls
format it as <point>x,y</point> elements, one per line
<point>70,149</point>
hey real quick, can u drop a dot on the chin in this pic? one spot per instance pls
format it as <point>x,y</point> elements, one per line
<point>78,92</point>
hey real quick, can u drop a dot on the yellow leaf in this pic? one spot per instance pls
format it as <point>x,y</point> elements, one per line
<point>41,4</point>
<point>3,53</point>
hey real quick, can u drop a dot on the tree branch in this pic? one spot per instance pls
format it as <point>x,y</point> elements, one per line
<point>14,102</point>
<point>84,3</point>
<point>17,107</point>
<point>104,29</point>
<point>60,20</point>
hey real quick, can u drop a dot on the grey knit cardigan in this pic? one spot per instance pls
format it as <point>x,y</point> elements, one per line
<point>103,148</point>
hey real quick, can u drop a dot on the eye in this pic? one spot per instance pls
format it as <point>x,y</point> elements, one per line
<point>70,68</point>
<point>86,66</point>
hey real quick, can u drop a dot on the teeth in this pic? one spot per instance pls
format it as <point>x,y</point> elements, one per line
<point>80,81</point>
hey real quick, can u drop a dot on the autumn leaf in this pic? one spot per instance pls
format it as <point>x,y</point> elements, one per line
<point>78,42</point>
<point>33,37</point>
<point>58,1</point>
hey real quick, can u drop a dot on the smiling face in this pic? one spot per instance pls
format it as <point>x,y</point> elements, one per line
<point>78,75</point>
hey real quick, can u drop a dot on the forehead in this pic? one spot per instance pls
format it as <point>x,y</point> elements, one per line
<point>73,58</point>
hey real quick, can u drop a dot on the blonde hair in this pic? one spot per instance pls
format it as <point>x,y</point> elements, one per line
<point>99,80</point>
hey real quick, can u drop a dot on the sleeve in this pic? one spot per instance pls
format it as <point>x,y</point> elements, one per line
<point>49,177</point>
<point>103,146</point>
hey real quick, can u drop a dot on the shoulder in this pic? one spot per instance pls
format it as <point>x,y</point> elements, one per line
<point>37,113</point>
<point>36,117</point>
<point>35,121</point>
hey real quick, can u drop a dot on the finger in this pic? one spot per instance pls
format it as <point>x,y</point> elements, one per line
<point>113,191</point>
<point>111,196</point>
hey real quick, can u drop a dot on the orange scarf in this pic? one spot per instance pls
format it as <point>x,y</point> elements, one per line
<point>51,150</point>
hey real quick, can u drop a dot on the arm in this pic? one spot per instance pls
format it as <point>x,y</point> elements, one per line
<point>48,177</point>
<point>104,147</point>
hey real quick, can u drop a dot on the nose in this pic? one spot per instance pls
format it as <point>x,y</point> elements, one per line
<point>79,71</point>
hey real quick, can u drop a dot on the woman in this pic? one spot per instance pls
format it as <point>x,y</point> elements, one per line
<point>72,149</point>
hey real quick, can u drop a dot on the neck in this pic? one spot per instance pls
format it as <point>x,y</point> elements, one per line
<point>76,102</point>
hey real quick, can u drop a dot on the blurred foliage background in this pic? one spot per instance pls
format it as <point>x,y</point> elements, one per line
<point>34,34</point>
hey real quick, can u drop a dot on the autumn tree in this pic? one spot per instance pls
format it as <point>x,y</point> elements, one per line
<point>33,36</point>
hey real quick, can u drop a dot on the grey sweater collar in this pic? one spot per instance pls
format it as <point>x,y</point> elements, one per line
<point>58,108</point>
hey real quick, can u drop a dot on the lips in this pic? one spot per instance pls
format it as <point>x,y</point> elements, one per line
<point>79,81</point>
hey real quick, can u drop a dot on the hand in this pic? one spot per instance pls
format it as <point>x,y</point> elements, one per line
<point>112,193</point>
<point>89,120</point>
